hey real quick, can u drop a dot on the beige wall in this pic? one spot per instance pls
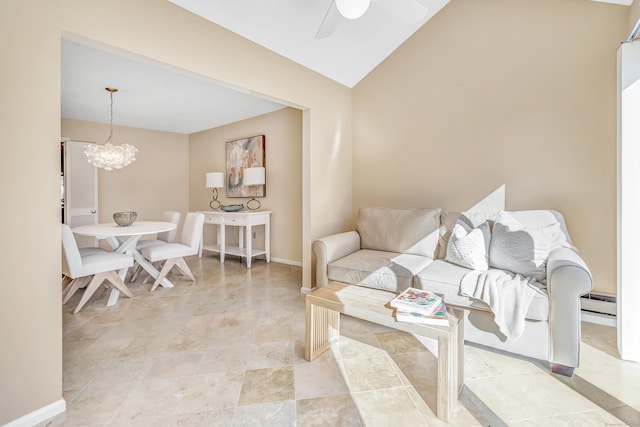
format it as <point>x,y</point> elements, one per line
<point>30,32</point>
<point>283,151</point>
<point>155,182</point>
<point>493,92</point>
<point>30,316</point>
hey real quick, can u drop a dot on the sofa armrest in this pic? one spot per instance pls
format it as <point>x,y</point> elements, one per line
<point>331,248</point>
<point>568,277</point>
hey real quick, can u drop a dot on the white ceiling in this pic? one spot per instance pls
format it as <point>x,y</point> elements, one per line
<point>289,27</point>
<point>150,95</point>
<point>156,96</point>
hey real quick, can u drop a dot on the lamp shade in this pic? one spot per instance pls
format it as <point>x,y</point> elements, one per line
<point>215,180</point>
<point>352,9</point>
<point>253,176</point>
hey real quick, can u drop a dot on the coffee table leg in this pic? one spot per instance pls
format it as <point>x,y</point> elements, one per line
<point>449,372</point>
<point>322,327</point>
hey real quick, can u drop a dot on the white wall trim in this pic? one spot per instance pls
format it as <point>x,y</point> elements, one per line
<point>39,415</point>
<point>600,319</point>
<point>598,306</point>
<point>286,261</point>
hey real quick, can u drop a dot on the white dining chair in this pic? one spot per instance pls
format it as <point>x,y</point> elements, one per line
<point>161,238</point>
<point>66,280</point>
<point>165,237</point>
<point>173,253</point>
<point>101,265</point>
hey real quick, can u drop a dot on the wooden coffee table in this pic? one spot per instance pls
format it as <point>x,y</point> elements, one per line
<point>325,304</point>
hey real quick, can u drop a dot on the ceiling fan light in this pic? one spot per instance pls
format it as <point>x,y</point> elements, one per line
<point>352,9</point>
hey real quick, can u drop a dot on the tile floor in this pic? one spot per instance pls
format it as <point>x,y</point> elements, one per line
<point>228,350</point>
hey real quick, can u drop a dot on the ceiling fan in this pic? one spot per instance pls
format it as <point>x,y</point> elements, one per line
<point>408,10</point>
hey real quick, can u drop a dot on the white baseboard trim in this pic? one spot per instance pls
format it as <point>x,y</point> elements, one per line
<point>598,306</point>
<point>39,415</point>
<point>286,261</point>
<point>600,319</point>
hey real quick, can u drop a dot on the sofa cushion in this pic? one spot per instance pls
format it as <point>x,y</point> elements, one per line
<point>444,278</point>
<point>378,269</point>
<point>469,247</point>
<point>521,250</point>
<point>409,231</point>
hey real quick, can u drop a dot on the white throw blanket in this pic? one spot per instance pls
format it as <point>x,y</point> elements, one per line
<point>507,294</point>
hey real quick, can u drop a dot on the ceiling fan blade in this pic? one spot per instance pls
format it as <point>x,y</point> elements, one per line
<point>409,11</point>
<point>330,22</point>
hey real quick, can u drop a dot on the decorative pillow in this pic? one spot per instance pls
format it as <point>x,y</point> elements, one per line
<point>521,250</point>
<point>468,246</point>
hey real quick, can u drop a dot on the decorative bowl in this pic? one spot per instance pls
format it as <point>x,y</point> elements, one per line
<point>124,219</point>
<point>232,208</point>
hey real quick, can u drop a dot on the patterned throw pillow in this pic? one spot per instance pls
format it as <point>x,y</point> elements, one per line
<point>468,247</point>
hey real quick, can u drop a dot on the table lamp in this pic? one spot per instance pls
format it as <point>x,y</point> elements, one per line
<point>253,177</point>
<point>215,180</point>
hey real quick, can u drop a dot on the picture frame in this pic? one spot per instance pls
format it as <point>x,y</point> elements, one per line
<point>241,154</point>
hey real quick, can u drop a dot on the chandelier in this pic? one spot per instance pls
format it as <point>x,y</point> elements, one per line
<point>107,155</point>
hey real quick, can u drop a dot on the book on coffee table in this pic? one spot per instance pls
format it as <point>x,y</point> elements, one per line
<point>439,317</point>
<point>417,301</point>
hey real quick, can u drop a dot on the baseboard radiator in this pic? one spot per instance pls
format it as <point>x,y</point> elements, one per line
<point>599,304</point>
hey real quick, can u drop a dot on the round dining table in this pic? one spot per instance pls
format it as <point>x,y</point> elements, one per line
<point>123,239</point>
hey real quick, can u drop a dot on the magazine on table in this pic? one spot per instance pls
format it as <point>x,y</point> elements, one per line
<point>439,317</point>
<point>417,301</point>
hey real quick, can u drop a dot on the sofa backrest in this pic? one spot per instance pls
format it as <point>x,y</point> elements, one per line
<point>528,218</point>
<point>413,231</point>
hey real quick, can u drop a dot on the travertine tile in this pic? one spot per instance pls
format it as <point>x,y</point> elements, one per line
<point>398,342</point>
<point>98,405</point>
<point>618,378</point>
<point>176,364</point>
<point>267,385</point>
<point>388,407</point>
<point>206,392</point>
<point>275,327</point>
<point>222,359</point>
<point>350,348</point>
<point>218,418</point>
<point>118,370</point>
<point>281,414</point>
<point>154,397</point>
<point>581,419</point>
<point>330,411</point>
<point>319,378</point>
<point>480,363</point>
<point>371,373</point>
<point>528,396</point>
<point>270,355</point>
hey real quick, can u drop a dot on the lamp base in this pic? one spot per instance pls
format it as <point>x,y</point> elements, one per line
<point>214,204</point>
<point>254,201</point>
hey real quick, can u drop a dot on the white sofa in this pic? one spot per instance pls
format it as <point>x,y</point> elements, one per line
<point>393,249</point>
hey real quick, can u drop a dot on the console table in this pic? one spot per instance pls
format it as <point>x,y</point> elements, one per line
<point>244,220</point>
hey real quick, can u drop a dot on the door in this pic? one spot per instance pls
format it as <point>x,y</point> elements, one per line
<point>80,189</point>
<point>628,292</point>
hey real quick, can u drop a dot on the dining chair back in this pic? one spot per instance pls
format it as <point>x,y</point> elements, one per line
<point>173,253</point>
<point>101,265</point>
<point>164,237</point>
<point>170,236</point>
